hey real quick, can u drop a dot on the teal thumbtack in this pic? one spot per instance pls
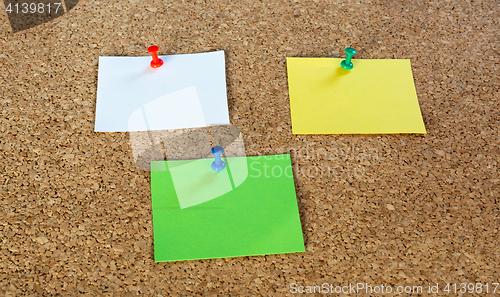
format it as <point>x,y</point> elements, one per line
<point>347,64</point>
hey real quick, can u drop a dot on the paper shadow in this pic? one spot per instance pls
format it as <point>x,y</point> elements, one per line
<point>338,73</point>
<point>148,69</point>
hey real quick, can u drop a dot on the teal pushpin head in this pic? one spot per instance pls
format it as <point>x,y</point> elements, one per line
<point>218,164</point>
<point>347,64</point>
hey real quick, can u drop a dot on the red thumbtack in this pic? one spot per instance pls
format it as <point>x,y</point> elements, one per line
<point>156,61</point>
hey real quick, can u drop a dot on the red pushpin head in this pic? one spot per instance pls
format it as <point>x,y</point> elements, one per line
<point>157,62</point>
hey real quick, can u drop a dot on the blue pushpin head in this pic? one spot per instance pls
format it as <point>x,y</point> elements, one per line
<point>218,164</point>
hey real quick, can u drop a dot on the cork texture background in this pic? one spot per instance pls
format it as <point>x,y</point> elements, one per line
<point>378,209</point>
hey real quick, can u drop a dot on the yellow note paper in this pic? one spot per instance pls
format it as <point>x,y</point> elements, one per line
<point>375,97</point>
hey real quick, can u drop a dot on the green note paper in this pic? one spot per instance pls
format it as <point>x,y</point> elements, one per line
<point>251,211</point>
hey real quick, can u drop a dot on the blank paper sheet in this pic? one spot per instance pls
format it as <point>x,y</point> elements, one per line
<point>188,91</point>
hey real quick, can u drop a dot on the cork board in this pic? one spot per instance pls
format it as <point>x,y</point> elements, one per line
<point>403,210</point>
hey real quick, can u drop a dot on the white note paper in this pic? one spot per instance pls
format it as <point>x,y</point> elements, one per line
<point>188,91</point>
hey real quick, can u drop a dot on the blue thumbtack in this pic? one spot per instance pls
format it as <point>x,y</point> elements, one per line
<point>347,64</point>
<point>218,164</point>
